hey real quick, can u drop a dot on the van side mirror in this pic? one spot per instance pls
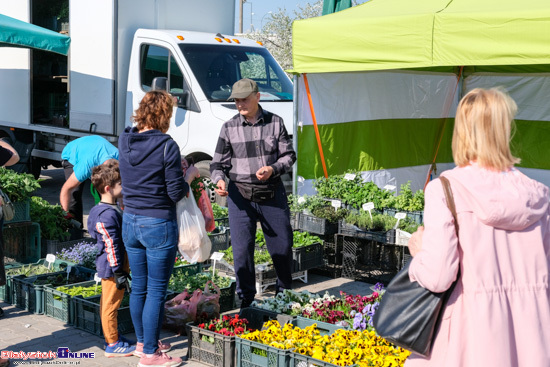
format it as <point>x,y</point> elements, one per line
<point>184,99</point>
<point>160,83</point>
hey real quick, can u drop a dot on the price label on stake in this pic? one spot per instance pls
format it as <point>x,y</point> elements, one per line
<point>336,204</point>
<point>50,259</point>
<point>389,187</point>
<point>349,176</point>
<point>216,256</point>
<point>368,207</point>
<point>399,216</point>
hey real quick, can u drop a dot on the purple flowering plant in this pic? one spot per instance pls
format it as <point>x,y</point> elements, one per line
<point>363,319</point>
<point>83,253</point>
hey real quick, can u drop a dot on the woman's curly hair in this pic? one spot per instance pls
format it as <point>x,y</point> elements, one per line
<point>154,111</point>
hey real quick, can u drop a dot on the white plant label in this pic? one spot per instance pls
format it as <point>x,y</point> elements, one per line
<point>301,179</point>
<point>69,268</point>
<point>368,207</point>
<point>301,200</point>
<point>217,256</point>
<point>336,204</point>
<point>389,187</point>
<point>399,216</point>
<point>50,259</point>
<point>97,279</point>
<point>349,176</point>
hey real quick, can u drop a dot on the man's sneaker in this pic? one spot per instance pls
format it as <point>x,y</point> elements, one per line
<point>159,359</point>
<point>120,349</point>
<point>163,347</point>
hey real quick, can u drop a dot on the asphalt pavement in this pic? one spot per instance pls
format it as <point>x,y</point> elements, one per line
<point>21,331</point>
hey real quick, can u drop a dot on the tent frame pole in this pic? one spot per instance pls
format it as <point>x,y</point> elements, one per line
<point>295,134</point>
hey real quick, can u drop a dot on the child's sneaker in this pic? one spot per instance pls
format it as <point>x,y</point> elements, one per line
<point>130,342</point>
<point>163,347</point>
<point>159,359</point>
<point>120,349</point>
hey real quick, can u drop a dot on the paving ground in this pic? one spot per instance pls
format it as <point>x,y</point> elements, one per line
<point>22,331</point>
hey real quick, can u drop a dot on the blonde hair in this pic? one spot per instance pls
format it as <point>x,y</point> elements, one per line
<point>483,129</point>
<point>154,111</point>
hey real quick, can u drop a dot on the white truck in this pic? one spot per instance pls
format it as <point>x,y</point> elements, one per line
<point>117,48</point>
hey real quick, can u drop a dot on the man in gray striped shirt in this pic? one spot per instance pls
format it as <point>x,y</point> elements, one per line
<point>253,151</point>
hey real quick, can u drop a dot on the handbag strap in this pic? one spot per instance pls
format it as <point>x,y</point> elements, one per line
<point>450,199</point>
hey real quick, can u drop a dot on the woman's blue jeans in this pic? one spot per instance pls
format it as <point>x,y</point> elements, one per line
<point>151,244</point>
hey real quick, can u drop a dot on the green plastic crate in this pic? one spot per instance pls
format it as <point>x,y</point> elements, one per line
<point>59,305</point>
<point>324,327</point>
<point>22,242</point>
<point>5,290</point>
<point>22,212</point>
<point>218,353</point>
<point>190,269</point>
<point>30,296</point>
<point>247,358</point>
<point>87,316</point>
<point>300,360</point>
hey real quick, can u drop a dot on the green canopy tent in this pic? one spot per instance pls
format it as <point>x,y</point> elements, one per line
<point>382,81</point>
<point>16,33</point>
<point>332,6</point>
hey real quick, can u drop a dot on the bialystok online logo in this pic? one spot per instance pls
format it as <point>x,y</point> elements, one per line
<point>62,353</point>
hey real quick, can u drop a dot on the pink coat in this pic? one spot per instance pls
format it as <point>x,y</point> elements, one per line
<point>499,312</point>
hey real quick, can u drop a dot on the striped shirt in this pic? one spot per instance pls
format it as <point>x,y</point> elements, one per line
<point>244,148</point>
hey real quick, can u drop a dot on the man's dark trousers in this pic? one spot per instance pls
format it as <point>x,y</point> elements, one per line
<point>274,217</point>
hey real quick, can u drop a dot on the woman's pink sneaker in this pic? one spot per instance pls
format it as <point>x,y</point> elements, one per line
<point>163,347</point>
<point>159,359</point>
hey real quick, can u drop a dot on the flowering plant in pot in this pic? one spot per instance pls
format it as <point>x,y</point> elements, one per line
<point>226,325</point>
<point>83,253</point>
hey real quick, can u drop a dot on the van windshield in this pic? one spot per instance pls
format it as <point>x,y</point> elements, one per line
<point>217,67</point>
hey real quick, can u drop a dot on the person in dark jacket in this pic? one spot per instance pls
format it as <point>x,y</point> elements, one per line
<point>153,182</point>
<point>105,226</point>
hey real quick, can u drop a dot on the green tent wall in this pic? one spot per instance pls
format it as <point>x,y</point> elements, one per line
<point>385,78</point>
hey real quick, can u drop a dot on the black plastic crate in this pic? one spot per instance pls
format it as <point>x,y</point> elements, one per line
<point>219,240</point>
<point>312,224</point>
<point>371,261</point>
<point>256,317</point>
<point>88,318</point>
<point>351,230</point>
<point>227,297</point>
<point>417,217</point>
<point>332,259</point>
<point>307,257</point>
<point>210,348</point>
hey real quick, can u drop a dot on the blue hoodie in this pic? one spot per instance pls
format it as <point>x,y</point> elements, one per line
<point>151,173</point>
<point>105,226</point>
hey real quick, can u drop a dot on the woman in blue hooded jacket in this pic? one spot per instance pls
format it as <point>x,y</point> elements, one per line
<point>152,184</point>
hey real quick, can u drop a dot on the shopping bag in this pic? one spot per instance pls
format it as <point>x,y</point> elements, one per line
<point>193,243</point>
<point>206,209</point>
<point>8,210</point>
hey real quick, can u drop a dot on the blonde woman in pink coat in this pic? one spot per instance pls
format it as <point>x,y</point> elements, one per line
<point>499,313</point>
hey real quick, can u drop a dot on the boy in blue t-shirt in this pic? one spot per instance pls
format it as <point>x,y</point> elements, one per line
<point>105,226</point>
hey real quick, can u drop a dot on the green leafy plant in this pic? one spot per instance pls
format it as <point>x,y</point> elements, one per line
<point>260,256</point>
<point>30,270</point>
<point>18,186</point>
<point>302,239</point>
<point>182,281</point>
<point>219,211</point>
<point>330,214</point>
<point>307,204</point>
<point>81,291</point>
<point>53,225</point>
<point>406,200</point>
<point>379,222</point>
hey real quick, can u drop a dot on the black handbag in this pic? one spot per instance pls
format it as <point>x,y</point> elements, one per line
<point>408,313</point>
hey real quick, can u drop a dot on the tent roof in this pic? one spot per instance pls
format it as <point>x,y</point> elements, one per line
<point>16,33</point>
<point>398,34</point>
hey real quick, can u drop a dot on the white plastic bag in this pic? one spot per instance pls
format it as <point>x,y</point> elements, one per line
<point>194,244</point>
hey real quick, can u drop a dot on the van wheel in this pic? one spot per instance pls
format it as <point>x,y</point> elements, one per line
<point>204,170</point>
